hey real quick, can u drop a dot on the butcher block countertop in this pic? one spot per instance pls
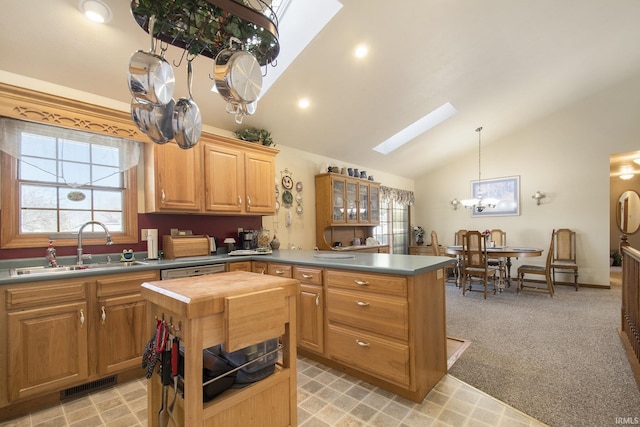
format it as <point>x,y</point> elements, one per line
<point>204,295</point>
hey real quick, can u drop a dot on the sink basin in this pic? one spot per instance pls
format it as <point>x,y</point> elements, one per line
<point>333,255</point>
<point>67,268</point>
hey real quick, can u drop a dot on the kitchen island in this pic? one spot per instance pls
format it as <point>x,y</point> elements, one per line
<point>378,317</point>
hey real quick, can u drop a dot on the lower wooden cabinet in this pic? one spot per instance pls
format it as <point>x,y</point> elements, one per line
<point>239,266</point>
<point>310,308</point>
<point>63,333</point>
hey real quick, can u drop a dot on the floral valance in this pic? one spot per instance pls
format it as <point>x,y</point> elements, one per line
<point>403,197</point>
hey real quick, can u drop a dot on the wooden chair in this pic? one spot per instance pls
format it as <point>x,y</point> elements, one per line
<point>544,270</point>
<point>458,240</point>
<point>474,249</point>
<point>500,238</point>
<point>564,257</point>
<point>436,251</point>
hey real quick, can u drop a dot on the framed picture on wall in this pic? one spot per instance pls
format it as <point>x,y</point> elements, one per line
<point>505,190</point>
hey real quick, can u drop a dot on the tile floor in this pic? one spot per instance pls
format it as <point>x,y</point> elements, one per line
<point>326,397</point>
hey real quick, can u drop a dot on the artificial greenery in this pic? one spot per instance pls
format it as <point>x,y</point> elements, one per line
<point>255,135</point>
<point>203,29</point>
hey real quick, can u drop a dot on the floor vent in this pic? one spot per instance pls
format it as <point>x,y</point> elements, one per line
<point>83,389</point>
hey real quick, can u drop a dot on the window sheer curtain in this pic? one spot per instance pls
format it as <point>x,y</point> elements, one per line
<point>121,153</point>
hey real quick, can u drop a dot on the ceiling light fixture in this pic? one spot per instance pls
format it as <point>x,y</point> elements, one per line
<point>95,10</point>
<point>455,203</point>
<point>626,172</point>
<point>304,103</point>
<point>429,121</point>
<point>361,51</point>
<point>478,203</point>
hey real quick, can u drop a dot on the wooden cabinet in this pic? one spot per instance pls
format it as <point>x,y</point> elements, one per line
<point>280,270</point>
<point>239,180</point>
<point>120,321</point>
<point>386,329</point>
<point>220,176</point>
<point>173,178</point>
<point>67,332</point>
<point>310,308</point>
<point>342,200</point>
<point>239,266</point>
<point>47,337</point>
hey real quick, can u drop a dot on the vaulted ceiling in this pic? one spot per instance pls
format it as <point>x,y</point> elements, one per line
<point>501,63</point>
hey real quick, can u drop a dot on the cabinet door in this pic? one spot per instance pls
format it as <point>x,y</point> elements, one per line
<point>374,194</point>
<point>177,182</point>
<point>224,177</point>
<point>122,332</point>
<point>338,201</point>
<point>47,349</point>
<point>260,190</point>
<point>239,266</point>
<point>352,202</point>
<point>363,204</point>
<point>310,318</point>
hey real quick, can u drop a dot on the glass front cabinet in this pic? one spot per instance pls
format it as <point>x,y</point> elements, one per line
<point>347,200</point>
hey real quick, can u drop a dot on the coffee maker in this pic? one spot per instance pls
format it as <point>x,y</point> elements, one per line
<point>247,239</point>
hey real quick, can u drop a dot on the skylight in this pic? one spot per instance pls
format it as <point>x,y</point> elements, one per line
<point>419,127</point>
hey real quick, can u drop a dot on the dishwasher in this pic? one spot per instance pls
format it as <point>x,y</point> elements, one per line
<point>199,270</point>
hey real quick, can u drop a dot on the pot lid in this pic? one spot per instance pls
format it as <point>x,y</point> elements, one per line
<point>245,77</point>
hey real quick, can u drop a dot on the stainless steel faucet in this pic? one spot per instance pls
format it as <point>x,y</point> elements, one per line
<point>109,241</point>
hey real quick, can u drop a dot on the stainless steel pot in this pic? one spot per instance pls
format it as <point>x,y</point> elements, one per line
<point>238,76</point>
<point>187,121</point>
<point>151,77</point>
<point>154,120</point>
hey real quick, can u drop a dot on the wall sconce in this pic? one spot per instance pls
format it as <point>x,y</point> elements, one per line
<point>455,203</point>
<point>538,196</point>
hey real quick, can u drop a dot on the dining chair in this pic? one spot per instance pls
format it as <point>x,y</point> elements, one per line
<point>499,237</point>
<point>475,266</point>
<point>458,240</point>
<point>564,257</point>
<point>544,270</point>
<point>450,269</point>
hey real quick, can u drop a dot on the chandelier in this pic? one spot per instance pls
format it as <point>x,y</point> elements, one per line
<point>479,203</point>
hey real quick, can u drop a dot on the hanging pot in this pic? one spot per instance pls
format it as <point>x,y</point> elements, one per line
<point>187,121</point>
<point>154,120</point>
<point>150,76</point>
<point>237,75</point>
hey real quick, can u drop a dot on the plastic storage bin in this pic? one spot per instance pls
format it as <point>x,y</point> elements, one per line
<point>262,365</point>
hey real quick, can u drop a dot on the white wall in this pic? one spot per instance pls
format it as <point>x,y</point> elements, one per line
<point>303,167</point>
<point>565,156</point>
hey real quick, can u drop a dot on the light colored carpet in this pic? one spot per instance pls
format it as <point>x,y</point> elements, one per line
<point>558,359</point>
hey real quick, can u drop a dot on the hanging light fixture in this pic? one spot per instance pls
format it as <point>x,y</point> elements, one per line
<point>479,203</point>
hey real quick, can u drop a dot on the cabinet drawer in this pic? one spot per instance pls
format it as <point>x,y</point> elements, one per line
<point>280,270</point>
<point>385,359</point>
<point>118,284</point>
<point>30,296</point>
<point>308,275</point>
<point>383,283</point>
<point>370,312</point>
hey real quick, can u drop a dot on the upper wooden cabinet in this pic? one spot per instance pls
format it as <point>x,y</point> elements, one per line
<point>344,200</point>
<point>220,176</point>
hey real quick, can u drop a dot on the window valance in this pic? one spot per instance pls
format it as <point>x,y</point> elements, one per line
<point>118,154</point>
<point>403,197</point>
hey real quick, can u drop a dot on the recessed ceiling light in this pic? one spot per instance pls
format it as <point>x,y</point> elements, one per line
<point>304,103</point>
<point>361,51</point>
<point>432,119</point>
<point>95,10</point>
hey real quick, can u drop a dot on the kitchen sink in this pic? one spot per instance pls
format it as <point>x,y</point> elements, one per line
<point>67,268</point>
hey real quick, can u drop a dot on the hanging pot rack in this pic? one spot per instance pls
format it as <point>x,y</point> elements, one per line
<point>205,27</point>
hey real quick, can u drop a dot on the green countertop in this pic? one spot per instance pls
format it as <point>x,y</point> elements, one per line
<point>408,265</point>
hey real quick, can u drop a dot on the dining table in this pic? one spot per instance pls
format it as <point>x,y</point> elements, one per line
<point>498,252</point>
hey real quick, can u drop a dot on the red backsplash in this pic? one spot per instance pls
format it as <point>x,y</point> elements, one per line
<point>213,226</point>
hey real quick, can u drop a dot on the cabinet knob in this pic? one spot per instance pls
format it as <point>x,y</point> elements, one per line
<point>307,276</point>
<point>239,201</point>
<point>318,300</point>
<point>362,303</point>
<point>362,343</point>
<point>280,272</point>
<point>103,316</point>
<point>162,195</point>
<point>248,201</point>
<point>361,283</point>
<point>81,318</point>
